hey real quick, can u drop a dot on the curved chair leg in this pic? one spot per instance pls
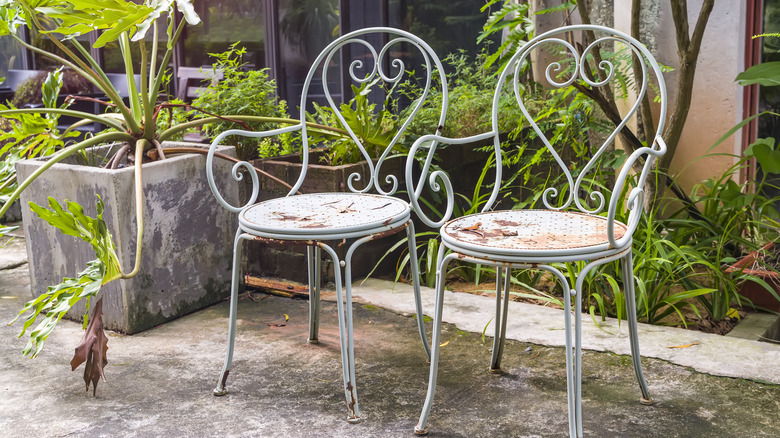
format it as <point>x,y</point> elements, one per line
<point>578,293</point>
<point>411,239</point>
<point>441,266</point>
<point>221,388</point>
<point>345,330</point>
<point>571,392</point>
<point>627,266</point>
<point>314,258</point>
<point>500,320</point>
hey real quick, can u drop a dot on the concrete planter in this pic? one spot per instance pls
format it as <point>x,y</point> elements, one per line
<point>754,291</point>
<point>188,236</point>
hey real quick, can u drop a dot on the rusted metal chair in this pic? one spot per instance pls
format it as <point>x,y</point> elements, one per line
<point>569,230</point>
<point>318,219</point>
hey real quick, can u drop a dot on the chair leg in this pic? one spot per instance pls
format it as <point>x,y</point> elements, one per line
<point>570,383</point>
<point>345,330</point>
<point>410,237</point>
<point>441,266</point>
<point>627,266</point>
<point>500,320</point>
<point>314,258</point>
<point>221,388</point>
<point>578,354</point>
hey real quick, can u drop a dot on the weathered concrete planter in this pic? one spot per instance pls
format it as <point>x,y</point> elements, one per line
<point>188,236</point>
<point>754,291</point>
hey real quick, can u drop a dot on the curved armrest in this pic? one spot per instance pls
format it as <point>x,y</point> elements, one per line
<point>636,198</point>
<point>246,165</point>
<point>438,177</point>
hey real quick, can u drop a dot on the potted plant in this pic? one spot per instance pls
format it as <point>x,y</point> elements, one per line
<point>178,218</point>
<point>761,283</point>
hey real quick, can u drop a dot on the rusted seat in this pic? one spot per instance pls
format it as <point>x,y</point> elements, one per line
<point>530,233</point>
<point>320,216</point>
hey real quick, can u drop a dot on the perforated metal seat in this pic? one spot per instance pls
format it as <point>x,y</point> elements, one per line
<point>530,234</point>
<point>324,216</point>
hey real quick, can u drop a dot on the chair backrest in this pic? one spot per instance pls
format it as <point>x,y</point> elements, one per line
<point>376,60</point>
<point>589,58</point>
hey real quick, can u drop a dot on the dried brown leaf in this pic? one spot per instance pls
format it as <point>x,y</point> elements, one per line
<point>92,349</point>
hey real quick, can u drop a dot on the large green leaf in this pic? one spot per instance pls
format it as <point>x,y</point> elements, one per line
<point>73,222</point>
<point>114,17</point>
<point>10,18</point>
<point>58,299</point>
<point>763,149</point>
<point>766,74</point>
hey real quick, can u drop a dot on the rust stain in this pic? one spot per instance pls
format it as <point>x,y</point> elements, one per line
<point>388,232</point>
<point>314,225</point>
<point>506,223</point>
<point>278,242</point>
<point>381,206</point>
<point>288,217</point>
<point>352,399</point>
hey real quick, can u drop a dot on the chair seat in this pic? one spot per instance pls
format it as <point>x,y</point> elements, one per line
<point>519,233</point>
<point>323,216</point>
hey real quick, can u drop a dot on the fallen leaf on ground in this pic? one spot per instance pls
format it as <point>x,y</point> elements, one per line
<point>92,349</point>
<point>684,346</point>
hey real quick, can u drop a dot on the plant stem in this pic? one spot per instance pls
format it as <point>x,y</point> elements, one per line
<point>73,113</point>
<point>164,64</point>
<point>139,209</point>
<point>105,85</point>
<point>132,88</point>
<point>200,122</point>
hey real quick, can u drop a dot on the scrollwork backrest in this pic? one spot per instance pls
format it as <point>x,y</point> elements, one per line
<point>381,70</point>
<point>571,67</point>
<point>383,64</point>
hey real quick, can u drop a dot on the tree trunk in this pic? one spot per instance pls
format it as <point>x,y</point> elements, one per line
<point>688,53</point>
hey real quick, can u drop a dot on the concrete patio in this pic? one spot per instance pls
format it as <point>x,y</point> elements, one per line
<point>160,381</point>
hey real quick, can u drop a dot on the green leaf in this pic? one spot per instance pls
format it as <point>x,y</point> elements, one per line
<point>159,6</point>
<point>763,149</point>
<point>58,299</point>
<point>766,74</point>
<point>51,88</point>
<point>5,230</point>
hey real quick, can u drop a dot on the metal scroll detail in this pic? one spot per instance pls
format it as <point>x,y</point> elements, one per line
<point>361,71</point>
<point>579,69</point>
<point>372,70</point>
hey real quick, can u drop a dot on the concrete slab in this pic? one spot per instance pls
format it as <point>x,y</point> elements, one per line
<point>159,381</point>
<point>747,359</point>
<point>753,326</point>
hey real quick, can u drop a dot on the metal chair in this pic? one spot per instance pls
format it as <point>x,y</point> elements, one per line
<point>568,230</point>
<point>315,219</point>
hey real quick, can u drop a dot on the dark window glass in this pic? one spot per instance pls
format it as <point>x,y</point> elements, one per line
<point>305,28</point>
<point>225,23</point>
<point>447,25</point>
<point>10,55</point>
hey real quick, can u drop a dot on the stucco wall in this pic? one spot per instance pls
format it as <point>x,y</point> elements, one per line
<point>716,99</point>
